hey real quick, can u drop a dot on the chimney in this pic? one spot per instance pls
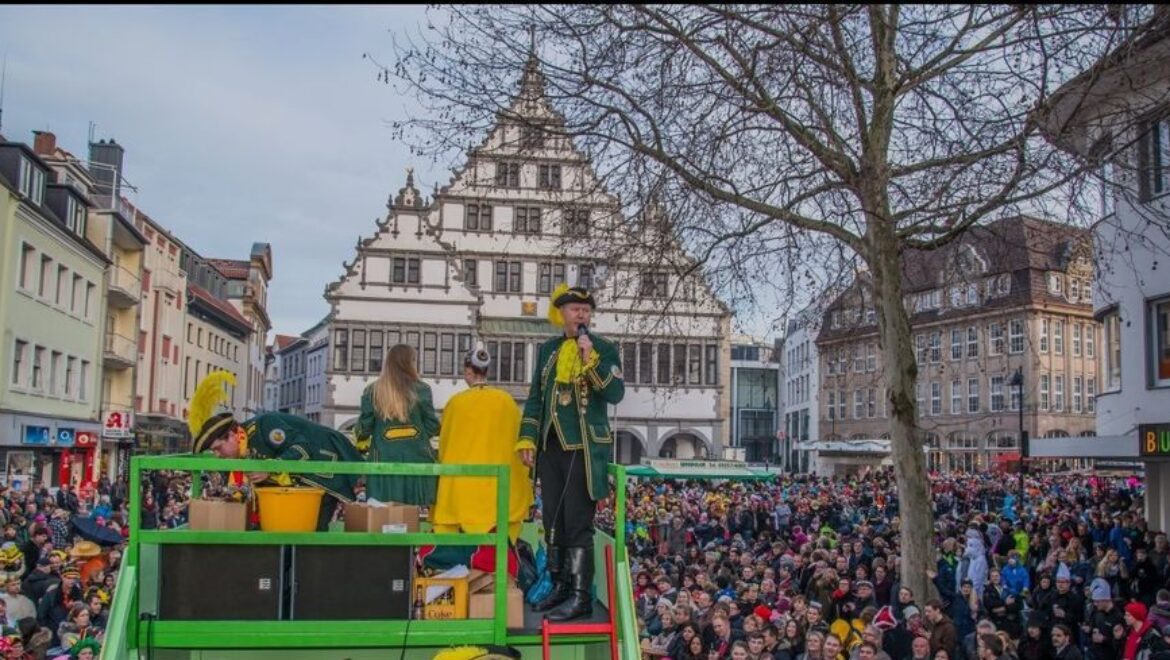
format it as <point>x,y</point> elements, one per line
<point>44,143</point>
<point>106,168</point>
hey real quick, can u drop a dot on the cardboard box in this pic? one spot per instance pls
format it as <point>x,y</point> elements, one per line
<point>386,518</point>
<point>214,515</point>
<point>451,605</point>
<point>482,604</point>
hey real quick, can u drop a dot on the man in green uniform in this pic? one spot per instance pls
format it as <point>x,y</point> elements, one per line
<point>577,375</point>
<point>285,437</point>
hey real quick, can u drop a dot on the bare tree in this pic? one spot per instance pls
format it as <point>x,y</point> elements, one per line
<point>774,133</point>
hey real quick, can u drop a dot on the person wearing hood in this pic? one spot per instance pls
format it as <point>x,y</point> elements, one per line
<point>974,564</point>
<point>1144,577</point>
<point>945,576</point>
<point>1142,639</point>
<point>1098,630</point>
<point>1015,575</point>
<point>1160,612</point>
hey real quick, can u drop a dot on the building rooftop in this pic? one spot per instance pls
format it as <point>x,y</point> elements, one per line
<point>222,307</point>
<point>232,269</point>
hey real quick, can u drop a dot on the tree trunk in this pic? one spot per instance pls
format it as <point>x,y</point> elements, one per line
<point>900,374</point>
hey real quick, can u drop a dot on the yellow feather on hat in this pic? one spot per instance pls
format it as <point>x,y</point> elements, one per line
<point>554,312</point>
<point>210,393</point>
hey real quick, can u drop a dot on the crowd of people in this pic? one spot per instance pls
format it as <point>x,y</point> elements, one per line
<point>807,568</point>
<point>58,581</point>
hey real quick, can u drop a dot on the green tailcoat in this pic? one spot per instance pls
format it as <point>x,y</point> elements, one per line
<point>292,438</point>
<point>577,411</point>
<point>400,441</point>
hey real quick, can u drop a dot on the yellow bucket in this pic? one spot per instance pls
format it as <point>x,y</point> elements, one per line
<point>289,509</point>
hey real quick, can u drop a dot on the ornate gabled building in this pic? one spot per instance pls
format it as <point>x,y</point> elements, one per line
<point>480,259</point>
<point>1015,294</point>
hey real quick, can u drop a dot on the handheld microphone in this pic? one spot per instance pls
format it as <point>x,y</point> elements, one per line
<point>582,331</point>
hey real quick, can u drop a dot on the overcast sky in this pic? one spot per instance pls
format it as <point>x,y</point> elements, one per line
<point>240,124</point>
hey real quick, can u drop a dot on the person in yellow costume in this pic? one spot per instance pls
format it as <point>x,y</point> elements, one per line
<point>480,426</point>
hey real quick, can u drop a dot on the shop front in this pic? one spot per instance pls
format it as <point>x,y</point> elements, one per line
<point>41,451</point>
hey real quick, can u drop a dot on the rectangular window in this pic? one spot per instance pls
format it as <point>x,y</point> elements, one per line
<point>936,398</point>
<point>871,357</point>
<point>1058,337</point>
<point>340,349</point>
<point>398,270</point>
<point>663,364</point>
<point>493,348</point>
<point>413,270</point>
<point>46,276</point>
<point>585,276</point>
<point>62,286</point>
<point>1090,340</point>
<point>519,374</point>
<point>508,276</point>
<point>832,404</point>
<point>514,277</point>
<point>711,368</point>
<point>630,361</point>
<point>956,397</point>
<point>447,354</point>
<point>377,348</point>
<point>508,175</point>
<point>1044,325</point>
<point>1017,336</point>
<point>357,362</point>
<point>78,290</point>
<point>996,339</point>
<point>531,137</point>
<point>83,382</point>
<point>477,217</point>
<point>654,285</point>
<point>549,177</point>
<point>973,341</point>
<point>1160,334</point>
<point>996,391</point>
<point>412,340</point>
<point>1077,394</point>
<point>694,364</point>
<point>858,359</point>
<point>549,276</point>
<point>88,303</point>
<point>470,273</point>
<point>526,220</point>
<point>858,404</point>
<point>973,404</point>
<point>576,222</point>
<point>1045,383</point>
<point>956,344</point>
<point>27,267</point>
<point>70,369</point>
<point>645,363</point>
<point>1154,158</point>
<point>18,361</point>
<point>1076,339</point>
<point>842,405</point>
<point>920,353</point>
<point>872,409</point>
<point>935,347</point>
<point>1112,348</point>
<point>1058,394</point>
<point>430,356</point>
<point>501,276</point>
<point>1091,395</point>
<point>679,364</point>
<point>54,372</point>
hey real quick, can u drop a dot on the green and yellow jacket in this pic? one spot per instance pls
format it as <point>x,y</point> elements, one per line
<point>292,438</point>
<point>576,411</point>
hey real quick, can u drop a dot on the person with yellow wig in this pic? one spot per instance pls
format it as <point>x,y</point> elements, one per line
<point>577,377</point>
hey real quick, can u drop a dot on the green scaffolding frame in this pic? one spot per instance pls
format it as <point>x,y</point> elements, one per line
<point>126,632</point>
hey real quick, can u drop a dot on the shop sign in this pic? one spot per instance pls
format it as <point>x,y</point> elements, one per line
<point>1154,439</point>
<point>37,435</point>
<point>117,424</point>
<point>64,437</point>
<point>85,439</point>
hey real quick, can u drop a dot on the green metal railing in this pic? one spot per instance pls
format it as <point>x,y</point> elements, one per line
<point>126,632</point>
<point>325,634</point>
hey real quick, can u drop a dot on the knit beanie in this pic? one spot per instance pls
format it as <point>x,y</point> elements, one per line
<point>1136,610</point>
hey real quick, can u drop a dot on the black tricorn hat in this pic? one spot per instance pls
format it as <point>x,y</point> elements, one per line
<point>213,429</point>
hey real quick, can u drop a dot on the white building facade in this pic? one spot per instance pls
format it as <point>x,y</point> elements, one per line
<point>480,260</point>
<point>801,374</point>
<point>1123,105</point>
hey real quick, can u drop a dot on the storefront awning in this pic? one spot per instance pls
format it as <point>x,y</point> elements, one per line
<point>511,327</point>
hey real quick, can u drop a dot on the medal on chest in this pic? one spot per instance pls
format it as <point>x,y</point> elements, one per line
<point>565,396</point>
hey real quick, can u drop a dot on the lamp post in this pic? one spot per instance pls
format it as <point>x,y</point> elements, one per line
<point>1018,382</point>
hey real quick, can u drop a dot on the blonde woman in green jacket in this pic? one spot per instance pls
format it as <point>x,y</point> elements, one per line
<point>398,418</point>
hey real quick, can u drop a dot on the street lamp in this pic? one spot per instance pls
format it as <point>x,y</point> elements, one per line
<point>1018,382</point>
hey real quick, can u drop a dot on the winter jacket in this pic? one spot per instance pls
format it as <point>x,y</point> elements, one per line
<point>1015,578</point>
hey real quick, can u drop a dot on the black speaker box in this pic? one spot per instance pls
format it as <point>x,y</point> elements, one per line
<point>350,583</point>
<point>221,582</point>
